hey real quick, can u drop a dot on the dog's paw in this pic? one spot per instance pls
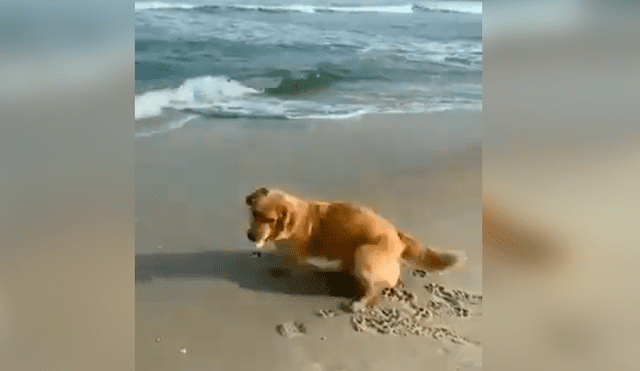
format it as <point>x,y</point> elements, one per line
<point>358,306</point>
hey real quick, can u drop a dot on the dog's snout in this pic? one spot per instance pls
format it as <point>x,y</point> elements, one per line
<point>251,237</point>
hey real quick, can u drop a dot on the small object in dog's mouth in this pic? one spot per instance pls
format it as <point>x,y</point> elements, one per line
<point>183,350</point>
<point>259,244</point>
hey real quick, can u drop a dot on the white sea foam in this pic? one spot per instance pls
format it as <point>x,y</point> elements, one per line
<point>370,9</point>
<point>196,93</point>
<point>282,8</point>
<point>158,5</point>
<point>170,126</point>
<point>474,7</point>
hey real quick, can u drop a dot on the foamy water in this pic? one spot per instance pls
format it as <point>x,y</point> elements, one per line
<point>312,59</point>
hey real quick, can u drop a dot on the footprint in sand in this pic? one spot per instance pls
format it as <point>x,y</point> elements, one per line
<point>413,318</point>
<point>456,303</point>
<point>326,313</point>
<point>291,329</point>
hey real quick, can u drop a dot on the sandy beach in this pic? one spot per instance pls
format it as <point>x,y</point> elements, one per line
<point>204,302</point>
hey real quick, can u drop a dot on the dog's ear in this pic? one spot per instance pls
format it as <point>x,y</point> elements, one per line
<point>257,193</point>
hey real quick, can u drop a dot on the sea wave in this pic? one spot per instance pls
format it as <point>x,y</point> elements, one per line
<point>153,5</point>
<point>217,97</point>
<point>310,81</point>
<point>221,97</point>
<point>200,92</point>
<point>175,119</point>
<point>473,7</point>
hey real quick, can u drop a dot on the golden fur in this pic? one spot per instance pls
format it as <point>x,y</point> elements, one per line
<point>363,243</point>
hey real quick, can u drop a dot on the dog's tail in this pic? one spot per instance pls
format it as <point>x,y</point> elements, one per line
<point>423,257</point>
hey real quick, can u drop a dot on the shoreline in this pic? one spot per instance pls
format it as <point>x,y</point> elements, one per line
<point>195,120</point>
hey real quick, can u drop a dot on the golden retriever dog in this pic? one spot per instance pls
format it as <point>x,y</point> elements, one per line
<point>352,239</point>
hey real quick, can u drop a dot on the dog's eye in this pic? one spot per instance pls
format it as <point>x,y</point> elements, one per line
<point>262,218</point>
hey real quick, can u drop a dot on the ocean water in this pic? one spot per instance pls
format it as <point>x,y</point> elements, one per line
<point>303,59</point>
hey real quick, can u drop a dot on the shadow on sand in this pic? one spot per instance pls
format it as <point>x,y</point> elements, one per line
<point>247,271</point>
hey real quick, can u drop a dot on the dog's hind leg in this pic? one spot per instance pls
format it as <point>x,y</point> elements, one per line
<point>371,295</point>
<point>375,269</point>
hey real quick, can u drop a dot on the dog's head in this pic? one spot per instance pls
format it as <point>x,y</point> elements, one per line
<point>270,216</point>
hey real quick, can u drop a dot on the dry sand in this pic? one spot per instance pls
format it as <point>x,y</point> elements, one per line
<point>204,302</point>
